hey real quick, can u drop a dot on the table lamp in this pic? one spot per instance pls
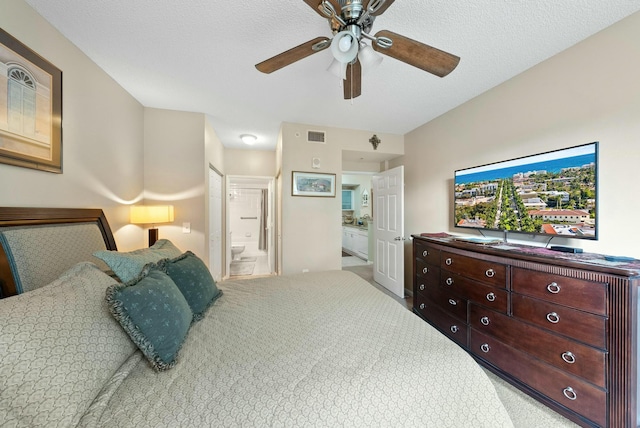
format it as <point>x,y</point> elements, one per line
<point>152,214</point>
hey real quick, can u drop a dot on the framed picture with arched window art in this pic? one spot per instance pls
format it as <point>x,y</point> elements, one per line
<point>30,108</point>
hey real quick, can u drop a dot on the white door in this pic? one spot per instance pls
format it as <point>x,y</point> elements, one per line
<point>388,229</point>
<point>215,224</point>
<point>271,248</point>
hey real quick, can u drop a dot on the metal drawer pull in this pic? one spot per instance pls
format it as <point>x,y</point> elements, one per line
<point>568,357</point>
<point>425,253</point>
<point>490,273</point>
<point>491,297</point>
<point>485,320</point>
<point>553,288</point>
<point>449,281</point>
<point>569,393</point>
<point>485,347</point>
<point>425,270</point>
<point>421,305</point>
<point>553,318</point>
<point>454,329</point>
<point>448,261</point>
<point>453,302</point>
<point>421,287</point>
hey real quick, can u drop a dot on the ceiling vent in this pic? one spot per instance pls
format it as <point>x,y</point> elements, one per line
<point>316,137</point>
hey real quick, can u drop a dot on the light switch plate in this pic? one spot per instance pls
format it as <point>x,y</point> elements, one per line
<point>186,227</point>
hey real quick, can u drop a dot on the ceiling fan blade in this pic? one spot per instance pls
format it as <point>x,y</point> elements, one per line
<point>352,84</point>
<point>294,54</point>
<point>315,5</point>
<point>417,54</point>
<point>381,9</point>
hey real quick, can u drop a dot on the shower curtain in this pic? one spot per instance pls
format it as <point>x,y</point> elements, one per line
<point>262,240</point>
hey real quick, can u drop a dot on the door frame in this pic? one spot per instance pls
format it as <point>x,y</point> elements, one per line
<point>220,212</point>
<point>267,183</point>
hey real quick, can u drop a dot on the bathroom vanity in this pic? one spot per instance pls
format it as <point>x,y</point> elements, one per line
<point>355,240</point>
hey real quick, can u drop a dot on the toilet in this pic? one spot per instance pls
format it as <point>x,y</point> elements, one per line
<point>236,250</point>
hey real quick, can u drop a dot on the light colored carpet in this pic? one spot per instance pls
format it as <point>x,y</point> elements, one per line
<point>354,261</point>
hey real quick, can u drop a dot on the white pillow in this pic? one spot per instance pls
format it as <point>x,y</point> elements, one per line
<point>60,345</point>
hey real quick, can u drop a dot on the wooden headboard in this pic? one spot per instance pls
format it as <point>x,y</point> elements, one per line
<point>13,216</point>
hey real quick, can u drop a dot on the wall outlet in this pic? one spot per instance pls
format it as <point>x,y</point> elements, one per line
<point>305,270</point>
<point>186,227</point>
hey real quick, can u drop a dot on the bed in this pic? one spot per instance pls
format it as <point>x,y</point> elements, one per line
<point>314,349</point>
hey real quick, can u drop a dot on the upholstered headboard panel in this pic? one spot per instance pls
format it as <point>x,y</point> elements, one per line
<point>39,244</point>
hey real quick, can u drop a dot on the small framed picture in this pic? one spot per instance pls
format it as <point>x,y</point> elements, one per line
<point>313,184</point>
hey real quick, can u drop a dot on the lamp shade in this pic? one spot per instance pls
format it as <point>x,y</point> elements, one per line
<point>344,47</point>
<point>151,214</point>
<point>338,69</point>
<point>369,58</point>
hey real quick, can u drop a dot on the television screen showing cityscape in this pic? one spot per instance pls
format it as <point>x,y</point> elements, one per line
<point>550,193</point>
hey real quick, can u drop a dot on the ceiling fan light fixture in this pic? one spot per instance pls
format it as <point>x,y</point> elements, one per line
<point>248,139</point>
<point>369,58</point>
<point>338,69</point>
<point>344,47</point>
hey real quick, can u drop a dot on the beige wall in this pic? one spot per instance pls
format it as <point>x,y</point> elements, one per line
<point>102,135</point>
<point>179,147</point>
<point>257,163</point>
<point>590,92</point>
<point>312,226</point>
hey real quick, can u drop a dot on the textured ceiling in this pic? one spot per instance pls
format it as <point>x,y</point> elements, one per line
<point>199,56</point>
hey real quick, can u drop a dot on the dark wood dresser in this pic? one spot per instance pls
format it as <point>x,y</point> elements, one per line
<point>561,327</point>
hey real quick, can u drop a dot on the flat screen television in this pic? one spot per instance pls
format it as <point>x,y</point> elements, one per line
<point>552,194</point>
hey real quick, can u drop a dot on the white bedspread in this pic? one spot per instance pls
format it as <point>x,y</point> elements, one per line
<point>316,349</point>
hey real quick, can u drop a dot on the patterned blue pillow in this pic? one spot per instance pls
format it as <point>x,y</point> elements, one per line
<point>129,265</point>
<point>155,315</point>
<point>194,280</point>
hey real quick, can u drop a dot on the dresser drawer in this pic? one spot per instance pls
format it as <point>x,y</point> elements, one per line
<point>583,326</point>
<point>576,293</point>
<point>564,388</point>
<point>486,295</point>
<point>426,271</point>
<point>446,300</point>
<point>453,328</point>
<point>432,278</point>
<point>429,254</point>
<point>481,270</point>
<point>561,352</point>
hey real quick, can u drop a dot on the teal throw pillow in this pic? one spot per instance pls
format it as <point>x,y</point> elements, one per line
<point>155,315</point>
<point>129,265</point>
<point>194,280</point>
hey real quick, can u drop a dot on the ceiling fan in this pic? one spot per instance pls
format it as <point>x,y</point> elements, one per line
<point>350,22</point>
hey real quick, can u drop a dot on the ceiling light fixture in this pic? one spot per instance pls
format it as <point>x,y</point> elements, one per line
<point>369,58</point>
<point>248,139</point>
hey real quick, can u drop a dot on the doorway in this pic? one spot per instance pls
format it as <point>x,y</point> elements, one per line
<point>356,219</point>
<point>250,226</point>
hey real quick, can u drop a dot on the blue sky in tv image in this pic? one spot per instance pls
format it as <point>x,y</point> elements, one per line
<point>551,194</point>
<point>554,161</point>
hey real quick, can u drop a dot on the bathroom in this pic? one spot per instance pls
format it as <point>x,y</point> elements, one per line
<point>250,214</point>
